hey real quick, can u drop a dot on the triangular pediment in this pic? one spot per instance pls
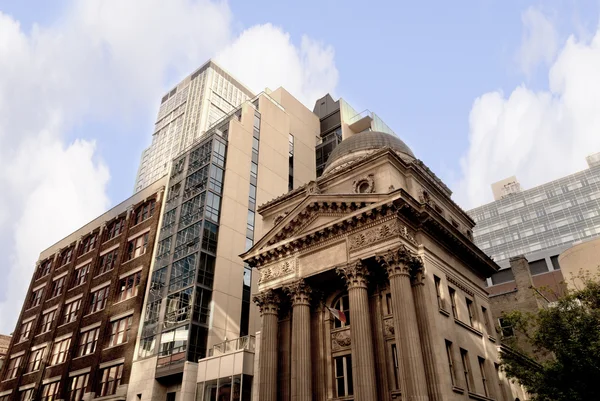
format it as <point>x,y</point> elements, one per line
<point>313,213</point>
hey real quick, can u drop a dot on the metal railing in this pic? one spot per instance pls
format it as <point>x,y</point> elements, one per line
<point>247,342</point>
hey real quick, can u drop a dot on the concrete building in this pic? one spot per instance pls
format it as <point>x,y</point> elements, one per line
<point>185,113</point>
<point>198,300</point>
<point>339,120</point>
<point>538,223</point>
<point>75,336</point>
<point>370,287</point>
<point>582,259</point>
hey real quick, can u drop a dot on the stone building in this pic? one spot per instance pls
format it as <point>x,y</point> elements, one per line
<point>76,334</point>
<point>371,287</point>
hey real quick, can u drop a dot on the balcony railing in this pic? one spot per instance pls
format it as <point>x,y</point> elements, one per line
<point>246,342</point>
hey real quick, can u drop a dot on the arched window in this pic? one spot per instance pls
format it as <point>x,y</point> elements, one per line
<point>342,305</point>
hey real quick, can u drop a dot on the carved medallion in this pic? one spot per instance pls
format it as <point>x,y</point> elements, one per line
<point>364,185</point>
<point>340,340</point>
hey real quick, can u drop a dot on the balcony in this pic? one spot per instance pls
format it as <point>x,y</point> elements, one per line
<point>242,343</point>
<point>361,122</point>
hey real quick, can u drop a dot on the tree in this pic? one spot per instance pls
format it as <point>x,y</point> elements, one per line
<point>565,339</point>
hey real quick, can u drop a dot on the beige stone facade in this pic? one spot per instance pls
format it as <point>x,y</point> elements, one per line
<point>377,238</point>
<point>582,259</point>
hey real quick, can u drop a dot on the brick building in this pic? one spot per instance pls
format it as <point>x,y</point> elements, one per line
<point>75,336</point>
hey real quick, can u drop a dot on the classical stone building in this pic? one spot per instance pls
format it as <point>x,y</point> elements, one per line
<point>371,287</point>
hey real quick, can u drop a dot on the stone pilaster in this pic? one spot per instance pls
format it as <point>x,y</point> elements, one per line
<point>299,293</point>
<point>363,362</point>
<point>268,303</point>
<point>399,264</point>
<point>425,330</point>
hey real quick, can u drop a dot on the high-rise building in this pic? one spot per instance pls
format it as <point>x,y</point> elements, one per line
<point>185,113</point>
<point>539,223</point>
<point>76,334</point>
<point>339,120</point>
<point>198,298</point>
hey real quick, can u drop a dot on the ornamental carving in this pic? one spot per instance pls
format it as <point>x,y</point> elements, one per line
<point>340,340</point>
<point>355,274</point>
<point>364,185</point>
<point>280,217</point>
<point>276,271</point>
<point>312,188</point>
<point>388,327</point>
<point>299,292</point>
<point>400,261</point>
<point>379,233</point>
<point>458,284</point>
<point>267,302</point>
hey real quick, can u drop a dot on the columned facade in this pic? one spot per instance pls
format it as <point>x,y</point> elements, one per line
<point>268,302</point>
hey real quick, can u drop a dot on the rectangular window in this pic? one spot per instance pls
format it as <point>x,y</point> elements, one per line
<point>216,179</point>
<point>44,269</point>
<point>438,292</point>
<point>145,211</point>
<point>27,395</point>
<point>98,300</point>
<point>47,320</point>
<point>50,391</point>
<point>57,286</point>
<point>115,228</point>
<point>137,246</point>
<point>36,297</point>
<point>486,320</point>
<point>70,311</point>
<point>466,365</point>
<point>78,387</point>
<point>35,360</point>
<point>87,342</point>
<point>213,204</point>
<point>343,375</point>
<point>59,351</point>
<point>65,257</point>
<point>13,367</point>
<point>484,381</point>
<point>396,367</point>
<point>290,162</point>
<point>107,262</point>
<point>450,356</point>
<point>505,328</point>
<point>471,312</point>
<point>110,379</point>
<point>119,331</point>
<point>209,239</point>
<point>388,304</point>
<point>80,275</point>
<point>25,330</point>
<point>452,293</point>
<point>128,286</point>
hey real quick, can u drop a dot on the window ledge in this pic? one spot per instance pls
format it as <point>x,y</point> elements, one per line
<point>7,380</point>
<point>466,326</point>
<point>480,397</point>
<point>492,339</point>
<point>114,346</point>
<point>444,312</point>
<point>66,324</point>
<point>109,397</point>
<point>127,261</point>
<point>103,273</point>
<point>84,254</point>
<point>83,356</point>
<point>93,313</point>
<point>458,390</point>
<point>77,286</point>
<point>125,300</point>
<point>30,373</point>
<point>41,334</point>
<point>110,239</point>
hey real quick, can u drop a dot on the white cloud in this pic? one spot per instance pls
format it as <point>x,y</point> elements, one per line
<point>539,42</point>
<point>536,135</point>
<point>264,56</point>
<point>106,60</point>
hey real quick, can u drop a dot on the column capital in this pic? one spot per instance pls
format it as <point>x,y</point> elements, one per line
<point>400,261</point>
<point>299,292</point>
<point>418,272</point>
<point>355,274</point>
<point>267,302</point>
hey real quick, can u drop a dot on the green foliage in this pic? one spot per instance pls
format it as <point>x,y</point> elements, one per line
<point>565,338</point>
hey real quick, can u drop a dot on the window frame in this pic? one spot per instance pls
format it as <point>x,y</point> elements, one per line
<point>13,371</point>
<point>84,344</point>
<point>345,377</point>
<point>59,352</point>
<point>124,292</point>
<point>46,323</point>
<point>35,360</point>
<point>76,394</point>
<point>108,385</point>
<point>138,246</point>
<point>337,324</point>
<point>119,331</point>
<point>95,301</point>
<point>68,311</point>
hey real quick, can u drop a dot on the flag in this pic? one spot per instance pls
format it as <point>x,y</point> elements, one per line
<point>338,314</point>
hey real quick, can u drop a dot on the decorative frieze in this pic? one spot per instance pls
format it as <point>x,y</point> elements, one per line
<point>380,233</point>
<point>275,271</point>
<point>341,340</point>
<point>458,284</point>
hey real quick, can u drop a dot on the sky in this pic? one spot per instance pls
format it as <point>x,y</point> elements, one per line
<point>480,90</point>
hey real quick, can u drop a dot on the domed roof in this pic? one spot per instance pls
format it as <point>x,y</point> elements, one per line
<point>359,145</point>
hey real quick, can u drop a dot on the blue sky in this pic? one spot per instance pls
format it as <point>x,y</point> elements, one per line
<point>480,90</point>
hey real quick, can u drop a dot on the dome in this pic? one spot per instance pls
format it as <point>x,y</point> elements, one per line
<point>366,142</point>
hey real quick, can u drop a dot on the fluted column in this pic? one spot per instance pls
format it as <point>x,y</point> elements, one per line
<point>399,263</point>
<point>363,362</point>
<point>424,323</point>
<point>268,303</point>
<point>299,293</point>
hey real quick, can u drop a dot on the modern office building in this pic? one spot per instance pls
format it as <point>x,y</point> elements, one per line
<point>538,223</point>
<point>76,334</point>
<point>338,121</point>
<point>198,300</point>
<point>371,288</point>
<point>185,113</point>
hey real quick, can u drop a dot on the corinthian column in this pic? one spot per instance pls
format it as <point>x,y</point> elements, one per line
<point>399,263</point>
<point>363,362</point>
<point>268,303</point>
<point>300,295</point>
<point>424,323</point>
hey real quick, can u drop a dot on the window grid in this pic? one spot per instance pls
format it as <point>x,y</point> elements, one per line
<point>107,262</point>
<point>35,360</point>
<point>80,276</point>
<point>110,379</point>
<point>47,320</point>
<point>59,351</point>
<point>98,300</point>
<point>25,330</point>
<point>70,311</point>
<point>57,286</point>
<point>77,387</point>
<point>450,357</point>
<point>13,367</point>
<point>137,246</point>
<point>452,293</point>
<point>128,286</point>
<point>119,331</point>
<point>87,342</point>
